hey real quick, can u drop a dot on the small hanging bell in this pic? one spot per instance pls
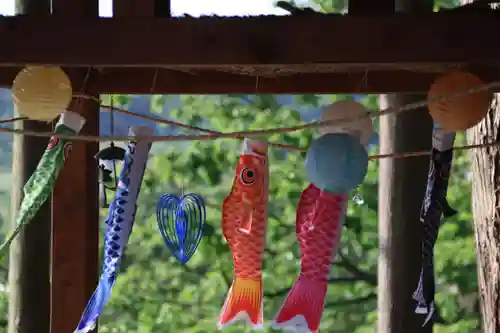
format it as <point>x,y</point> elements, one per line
<point>111,153</point>
<point>107,161</point>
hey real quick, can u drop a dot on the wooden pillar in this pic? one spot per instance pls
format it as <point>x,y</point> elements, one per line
<point>75,210</point>
<point>402,187</point>
<point>29,263</point>
<point>401,190</point>
<point>485,208</point>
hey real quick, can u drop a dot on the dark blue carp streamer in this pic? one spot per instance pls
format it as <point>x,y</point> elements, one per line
<point>181,221</point>
<point>434,206</point>
<point>119,223</point>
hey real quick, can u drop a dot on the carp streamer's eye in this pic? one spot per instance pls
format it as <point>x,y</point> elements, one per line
<point>248,176</point>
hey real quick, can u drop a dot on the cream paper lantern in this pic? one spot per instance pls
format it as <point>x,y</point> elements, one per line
<point>41,93</point>
<point>341,110</point>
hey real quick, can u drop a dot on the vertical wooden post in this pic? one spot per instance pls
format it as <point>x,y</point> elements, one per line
<point>29,282</point>
<point>485,208</point>
<point>75,228</point>
<point>75,217</point>
<point>485,199</point>
<point>402,187</point>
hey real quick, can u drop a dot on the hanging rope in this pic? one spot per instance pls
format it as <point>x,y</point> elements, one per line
<point>214,135</point>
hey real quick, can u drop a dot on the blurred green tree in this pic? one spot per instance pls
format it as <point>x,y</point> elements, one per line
<point>154,293</point>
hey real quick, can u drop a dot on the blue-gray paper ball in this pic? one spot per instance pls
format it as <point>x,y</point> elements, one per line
<point>336,162</point>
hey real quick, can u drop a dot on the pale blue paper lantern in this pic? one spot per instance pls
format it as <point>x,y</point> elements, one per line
<point>336,162</point>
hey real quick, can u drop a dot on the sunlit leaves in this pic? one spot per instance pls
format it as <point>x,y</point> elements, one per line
<point>156,294</point>
<point>332,6</point>
<point>445,4</point>
<point>119,101</point>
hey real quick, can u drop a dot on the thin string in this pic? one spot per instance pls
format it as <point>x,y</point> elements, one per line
<point>82,90</point>
<point>213,135</point>
<point>12,120</point>
<point>111,117</point>
<point>112,131</point>
<point>372,157</point>
<point>314,124</point>
<point>189,127</point>
<point>155,79</point>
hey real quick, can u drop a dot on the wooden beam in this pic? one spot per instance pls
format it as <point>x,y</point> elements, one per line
<point>370,6</point>
<point>133,8</point>
<point>150,81</point>
<point>75,8</point>
<point>142,81</point>
<point>162,81</point>
<point>162,8</point>
<point>388,39</point>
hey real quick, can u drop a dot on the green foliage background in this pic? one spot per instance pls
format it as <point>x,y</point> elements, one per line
<point>156,294</point>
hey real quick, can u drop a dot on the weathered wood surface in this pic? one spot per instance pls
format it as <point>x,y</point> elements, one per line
<point>75,228</point>
<point>29,262</point>
<point>162,81</point>
<point>436,39</point>
<point>75,210</point>
<point>401,189</point>
<point>486,211</point>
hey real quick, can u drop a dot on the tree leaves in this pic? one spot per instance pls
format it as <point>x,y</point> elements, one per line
<point>156,294</point>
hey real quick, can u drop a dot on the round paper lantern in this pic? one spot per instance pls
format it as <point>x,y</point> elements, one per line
<point>41,93</point>
<point>360,128</point>
<point>336,162</point>
<point>461,113</point>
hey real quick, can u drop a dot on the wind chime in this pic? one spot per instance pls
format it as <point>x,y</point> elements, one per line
<point>107,158</point>
<point>181,222</point>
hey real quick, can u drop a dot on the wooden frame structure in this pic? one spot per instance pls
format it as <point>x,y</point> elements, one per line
<point>136,52</point>
<point>398,52</point>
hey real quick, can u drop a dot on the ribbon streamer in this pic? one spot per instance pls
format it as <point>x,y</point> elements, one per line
<point>39,187</point>
<point>433,207</point>
<point>119,223</point>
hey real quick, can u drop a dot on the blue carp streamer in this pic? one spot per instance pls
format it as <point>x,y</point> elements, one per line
<point>181,221</point>
<point>434,207</point>
<point>119,224</point>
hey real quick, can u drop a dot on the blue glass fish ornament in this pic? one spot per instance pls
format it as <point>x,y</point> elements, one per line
<point>181,221</point>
